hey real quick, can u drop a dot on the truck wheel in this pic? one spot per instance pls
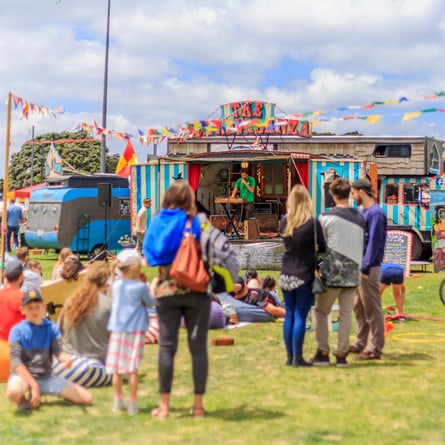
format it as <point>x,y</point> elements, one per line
<point>98,252</point>
<point>417,251</point>
<point>442,292</point>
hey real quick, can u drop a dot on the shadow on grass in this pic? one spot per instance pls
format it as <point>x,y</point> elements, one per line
<point>50,404</point>
<point>410,356</point>
<point>243,412</point>
<point>395,359</point>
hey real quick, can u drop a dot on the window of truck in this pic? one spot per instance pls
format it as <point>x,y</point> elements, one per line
<point>391,193</point>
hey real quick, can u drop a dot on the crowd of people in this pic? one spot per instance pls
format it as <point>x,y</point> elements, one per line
<point>100,334</point>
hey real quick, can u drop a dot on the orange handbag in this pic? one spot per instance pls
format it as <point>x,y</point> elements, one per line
<point>188,268</point>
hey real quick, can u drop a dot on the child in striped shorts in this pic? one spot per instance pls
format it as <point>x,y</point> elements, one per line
<point>128,324</point>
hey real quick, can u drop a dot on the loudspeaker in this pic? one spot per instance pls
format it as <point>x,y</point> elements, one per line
<point>104,194</point>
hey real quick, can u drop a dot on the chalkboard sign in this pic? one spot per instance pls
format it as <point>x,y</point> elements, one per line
<point>398,249</point>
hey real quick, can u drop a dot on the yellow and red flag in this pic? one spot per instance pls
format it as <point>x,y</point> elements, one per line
<point>127,159</point>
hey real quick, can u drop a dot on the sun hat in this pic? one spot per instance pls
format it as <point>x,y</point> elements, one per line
<point>128,257</point>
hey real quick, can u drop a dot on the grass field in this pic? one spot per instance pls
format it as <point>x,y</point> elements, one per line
<point>253,398</point>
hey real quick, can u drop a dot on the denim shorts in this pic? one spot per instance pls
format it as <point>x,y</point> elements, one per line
<point>53,385</point>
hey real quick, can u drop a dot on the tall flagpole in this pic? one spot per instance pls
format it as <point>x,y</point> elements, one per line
<point>103,144</point>
<point>5,182</point>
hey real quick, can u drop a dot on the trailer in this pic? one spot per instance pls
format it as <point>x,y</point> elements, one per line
<point>212,177</point>
<point>87,213</point>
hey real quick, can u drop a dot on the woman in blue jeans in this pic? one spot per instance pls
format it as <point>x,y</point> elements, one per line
<point>297,270</point>
<point>174,301</point>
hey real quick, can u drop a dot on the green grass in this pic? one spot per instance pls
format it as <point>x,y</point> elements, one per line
<point>253,398</point>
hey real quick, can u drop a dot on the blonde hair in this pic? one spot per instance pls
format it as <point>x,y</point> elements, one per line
<point>63,254</point>
<point>299,207</point>
<point>82,301</point>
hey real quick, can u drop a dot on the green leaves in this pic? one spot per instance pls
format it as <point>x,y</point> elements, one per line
<point>79,151</point>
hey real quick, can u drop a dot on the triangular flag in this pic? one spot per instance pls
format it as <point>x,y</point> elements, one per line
<point>412,115</point>
<point>374,119</point>
<point>127,159</point>
<point>53,163</point>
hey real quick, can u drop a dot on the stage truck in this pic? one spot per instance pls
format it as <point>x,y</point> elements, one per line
<point>400,167</point>
<point>212,175</point>
<point>87,213</point>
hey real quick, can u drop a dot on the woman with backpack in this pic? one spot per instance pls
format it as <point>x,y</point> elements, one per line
<point>174,301</point>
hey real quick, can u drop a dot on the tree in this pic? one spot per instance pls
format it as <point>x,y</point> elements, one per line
<point>80,154</point>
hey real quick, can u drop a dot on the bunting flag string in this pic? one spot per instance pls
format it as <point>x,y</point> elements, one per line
<point>375,118</point>
<point>309,114</point>
<point>238,118</point>
<point>27,107</point>
<point>203,128</point>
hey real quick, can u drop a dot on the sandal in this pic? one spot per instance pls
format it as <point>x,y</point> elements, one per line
<point>197,412</point>
<point>160,413</point>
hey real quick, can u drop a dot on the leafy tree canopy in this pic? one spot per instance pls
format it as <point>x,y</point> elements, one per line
<point>80,154</point>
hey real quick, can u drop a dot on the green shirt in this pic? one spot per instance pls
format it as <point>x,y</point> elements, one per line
<point>243,191</point>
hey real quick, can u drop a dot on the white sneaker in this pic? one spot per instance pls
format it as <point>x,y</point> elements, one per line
<point>119,405</point>
<point>132,409</point>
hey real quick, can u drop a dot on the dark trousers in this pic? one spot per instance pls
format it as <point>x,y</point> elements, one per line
<point>195,308</point>
<point>12,230</point>
<point>243,212</point>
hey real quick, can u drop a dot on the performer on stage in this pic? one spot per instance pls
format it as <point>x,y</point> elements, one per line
<point>246,187</point>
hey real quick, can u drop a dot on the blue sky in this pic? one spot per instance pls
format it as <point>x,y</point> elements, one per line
<point>172,62</point>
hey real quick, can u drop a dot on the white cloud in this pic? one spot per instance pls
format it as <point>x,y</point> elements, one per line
<point>174,61</point>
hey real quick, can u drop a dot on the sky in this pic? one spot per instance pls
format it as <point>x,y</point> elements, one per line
<point>172,62</point>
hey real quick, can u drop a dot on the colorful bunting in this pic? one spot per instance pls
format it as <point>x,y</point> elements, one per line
<point>374,104</point>
<point>244,118</point>
<point>26,107</point>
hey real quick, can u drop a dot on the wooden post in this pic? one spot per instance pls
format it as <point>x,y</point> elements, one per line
<point>5,185</point>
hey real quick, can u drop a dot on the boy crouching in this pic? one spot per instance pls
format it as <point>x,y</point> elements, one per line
<point>33,342</point>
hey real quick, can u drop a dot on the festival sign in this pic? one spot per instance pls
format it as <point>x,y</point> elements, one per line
<point>398,249</point>
<point>254,117</point>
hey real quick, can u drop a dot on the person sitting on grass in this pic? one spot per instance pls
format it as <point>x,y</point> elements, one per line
<point>71,268</point>
<point>257,297</point>
<point>269,283</point>
<point>22,255</point>
<point>33,342</point>
<point>83,322</point>
<point>252,279</point>
<point>58,267</point>
<point>32,275</point>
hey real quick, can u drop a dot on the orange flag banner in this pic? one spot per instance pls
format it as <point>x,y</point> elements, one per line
<point>127,159</point>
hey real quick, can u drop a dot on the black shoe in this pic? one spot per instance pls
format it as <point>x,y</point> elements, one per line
<point>300,361</point>
<point>321,358</point>
<point>341,361</point>
<point>290,359</point>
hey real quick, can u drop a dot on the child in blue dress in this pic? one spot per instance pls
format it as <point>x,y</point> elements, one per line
<point>128,324</point>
